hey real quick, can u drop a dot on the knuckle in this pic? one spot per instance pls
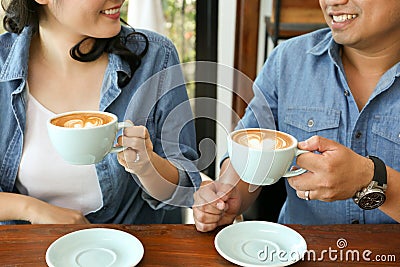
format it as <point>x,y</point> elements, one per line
<point>293,182</point>
<point>200,216</point>
<point>200,227</point>
<point>142,130</point>
<point>329,196</point>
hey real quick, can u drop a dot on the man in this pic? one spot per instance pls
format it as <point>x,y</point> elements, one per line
<point>339,90</point>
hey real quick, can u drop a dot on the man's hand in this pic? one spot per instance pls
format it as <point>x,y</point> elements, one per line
<point>335,173</point>
<point>215,204</point>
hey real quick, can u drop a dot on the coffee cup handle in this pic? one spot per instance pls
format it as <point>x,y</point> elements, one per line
<point>121,125</point>
<point>299,171</point>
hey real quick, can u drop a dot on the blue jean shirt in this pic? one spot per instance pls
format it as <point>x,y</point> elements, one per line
<point>152,95</point>
<point>302,90</point>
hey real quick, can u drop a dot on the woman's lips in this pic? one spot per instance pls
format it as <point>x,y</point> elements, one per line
<point>113,13</point>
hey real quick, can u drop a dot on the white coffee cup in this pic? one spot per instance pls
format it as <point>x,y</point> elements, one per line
<point>85,137</point>
<point>263,156</point>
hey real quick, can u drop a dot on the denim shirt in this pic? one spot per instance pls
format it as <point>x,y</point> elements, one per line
<point>151,102</point>
<point>302,90</point>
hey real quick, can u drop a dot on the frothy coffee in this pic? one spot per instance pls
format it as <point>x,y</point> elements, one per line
<point>82,120</point>
<point>262,139</point>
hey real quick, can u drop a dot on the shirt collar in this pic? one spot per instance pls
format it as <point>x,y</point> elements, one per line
<point>327,45</point>
<point>398,70</point>
<point>116,62</point>
<point>16,64</point>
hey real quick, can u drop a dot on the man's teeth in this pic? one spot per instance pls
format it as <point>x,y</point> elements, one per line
<point>111,11</point>
<point>343,18</point>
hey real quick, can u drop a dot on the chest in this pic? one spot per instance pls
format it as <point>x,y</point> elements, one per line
<point>329,108</point>
<point>60,92</point>
<point>58,183</point>
<point>361,86</point>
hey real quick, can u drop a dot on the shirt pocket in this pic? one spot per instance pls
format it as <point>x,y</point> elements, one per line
<point>386,139</point>
<point>305,122</point>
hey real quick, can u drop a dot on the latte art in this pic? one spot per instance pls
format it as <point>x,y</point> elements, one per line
<point>260,139</point>
<point>254,141</point>
<point>82,120</point>
<point>263,156</point>
<point>88,123</point>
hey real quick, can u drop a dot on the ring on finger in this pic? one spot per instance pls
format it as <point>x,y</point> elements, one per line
<point>137,157</point>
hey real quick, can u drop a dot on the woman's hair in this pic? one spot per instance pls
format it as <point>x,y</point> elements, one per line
<point>22,13</point>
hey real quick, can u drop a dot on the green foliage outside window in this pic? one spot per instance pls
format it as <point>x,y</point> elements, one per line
<point>181,26</point>
<point>180,17</point>
<point>181,29</point>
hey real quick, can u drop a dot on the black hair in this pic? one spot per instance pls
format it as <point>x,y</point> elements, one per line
<point>22,13</point>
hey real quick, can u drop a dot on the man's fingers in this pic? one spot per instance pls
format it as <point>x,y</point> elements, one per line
<point>208,200</point>
<point>317,143</point>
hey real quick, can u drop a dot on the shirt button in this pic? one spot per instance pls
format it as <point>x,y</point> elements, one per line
<point>358,135</point>
<point>346,93</point>
<point>355,222</point>
<point>310,123</point>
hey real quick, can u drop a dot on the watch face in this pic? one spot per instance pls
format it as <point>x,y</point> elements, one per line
<point>372,200</point>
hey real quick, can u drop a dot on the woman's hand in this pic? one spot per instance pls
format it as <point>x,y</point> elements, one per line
<point>158,175</point>
<point>139,152</point>
<point>40,212</point>
<point>215,204</point>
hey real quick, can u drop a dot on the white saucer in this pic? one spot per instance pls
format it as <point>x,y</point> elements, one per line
<point>95,247</point>
<point>258,243</point>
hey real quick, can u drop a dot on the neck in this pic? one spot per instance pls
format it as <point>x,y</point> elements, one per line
<point>52,48</point>
<point>373,63</point>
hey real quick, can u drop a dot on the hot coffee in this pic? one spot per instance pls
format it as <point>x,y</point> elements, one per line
<point>263,156</point>
<point>82,120</point>
<point>262,139</point>
<point>85,137</point>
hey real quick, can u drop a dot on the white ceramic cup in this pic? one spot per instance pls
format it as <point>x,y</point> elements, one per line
<point>79,140</point>
<point>255,157</point>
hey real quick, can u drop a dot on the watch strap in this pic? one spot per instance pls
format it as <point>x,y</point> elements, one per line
<point>380,173</point>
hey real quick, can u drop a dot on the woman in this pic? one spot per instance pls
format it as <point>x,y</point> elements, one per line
<point>74,55</point>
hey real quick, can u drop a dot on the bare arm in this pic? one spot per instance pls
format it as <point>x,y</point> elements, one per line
<point>21,207</point>
<point>392,204</point>
<point>158,176</point>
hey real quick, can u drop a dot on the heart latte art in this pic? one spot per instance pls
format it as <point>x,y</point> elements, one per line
<point>262,139</point>
<point>82,120</point>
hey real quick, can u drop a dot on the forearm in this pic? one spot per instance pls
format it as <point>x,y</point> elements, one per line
<point>392,204</point>
<point>26,208</point>
<point>248,193</point>
<point>160,178</point>
<point>14,206</point>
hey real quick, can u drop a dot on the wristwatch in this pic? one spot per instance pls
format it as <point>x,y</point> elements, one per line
<point>373,196</point>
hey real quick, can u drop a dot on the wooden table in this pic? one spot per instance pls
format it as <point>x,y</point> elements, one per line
<point>182,245</point>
